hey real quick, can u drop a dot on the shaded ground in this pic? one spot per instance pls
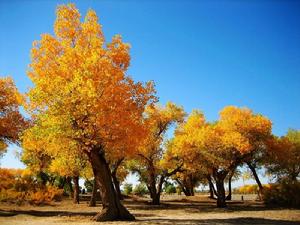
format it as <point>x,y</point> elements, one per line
<point>174,210</point>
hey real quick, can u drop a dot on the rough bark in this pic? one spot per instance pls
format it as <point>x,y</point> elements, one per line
<point>94,195</point>
<point>219,177</point>
<point>155,196</point>
<point>76,190</point>
<point>221,200</point>
<point>159,190</point>
<point>112,208</point>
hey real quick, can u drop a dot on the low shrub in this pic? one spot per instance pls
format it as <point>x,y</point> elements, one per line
<point>140,190</point>
<point>127,189</point>
<point>283,194</point>
<point>170,189</point>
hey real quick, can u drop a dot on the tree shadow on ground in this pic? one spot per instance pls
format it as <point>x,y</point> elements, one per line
<point>8,213</point>
<point>201,206</point>
<point>233,221</point>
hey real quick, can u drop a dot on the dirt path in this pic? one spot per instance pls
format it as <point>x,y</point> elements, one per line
<point>182,211</point>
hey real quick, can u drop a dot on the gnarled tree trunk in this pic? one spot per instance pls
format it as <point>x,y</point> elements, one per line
<point>76,190</point>
<point>155,196</point>
<point>112,208</point>
<point>221,200</point>
<point>219,177</point>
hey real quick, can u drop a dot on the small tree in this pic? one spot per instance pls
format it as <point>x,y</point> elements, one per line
<point>283,156</point>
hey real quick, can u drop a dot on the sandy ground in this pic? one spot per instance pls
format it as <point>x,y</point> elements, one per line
<point>176,210</point>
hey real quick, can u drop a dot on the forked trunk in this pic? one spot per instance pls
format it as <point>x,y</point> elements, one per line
<point>219,178</point>
<point>112,208</point>
<point>212,190</point>
<point>76,190</point>
<point>117,185</point>
<point>156,192</point>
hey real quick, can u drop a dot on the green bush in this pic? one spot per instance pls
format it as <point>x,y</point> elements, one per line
<point>140,190</point>
<point>283,194</point>
<point>88,185</point>
<point>127,189</point>
<point>170,189</point>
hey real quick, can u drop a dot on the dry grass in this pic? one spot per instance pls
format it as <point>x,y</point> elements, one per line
<point>174,210</point>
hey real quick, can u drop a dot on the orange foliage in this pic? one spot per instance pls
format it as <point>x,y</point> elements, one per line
<point>20,186</point>
<point>11,121</point>
<point>82,96</point>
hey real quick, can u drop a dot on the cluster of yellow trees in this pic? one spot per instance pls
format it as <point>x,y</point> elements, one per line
<point>21,185</point>
<point>90,119</point>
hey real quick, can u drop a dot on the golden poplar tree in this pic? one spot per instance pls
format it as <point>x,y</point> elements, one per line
<point>82,95</point>
<point>150,159</point>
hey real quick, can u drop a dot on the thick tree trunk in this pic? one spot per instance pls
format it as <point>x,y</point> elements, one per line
<point>252,168</point>
<point>112,208</point>
<point>192,191</point>
<point>221,201</point>
<point>69,182</point>
<point>76,190</point>
<point>154,194</point>
<point>156,199</point>
<point>94,195</point>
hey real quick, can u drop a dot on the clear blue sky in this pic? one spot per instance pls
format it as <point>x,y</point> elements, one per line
<point>201,54</point>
